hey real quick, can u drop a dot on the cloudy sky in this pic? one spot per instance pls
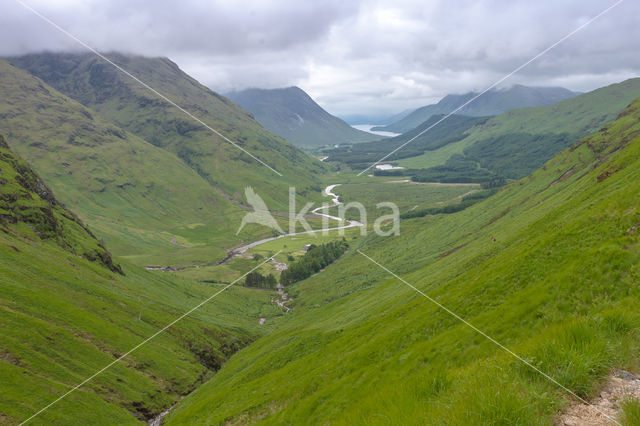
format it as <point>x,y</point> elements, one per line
<point>353,57</point>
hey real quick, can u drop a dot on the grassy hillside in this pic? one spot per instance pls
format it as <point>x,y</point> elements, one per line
<point>548,266</point>
<point>293,115</point>
<point>362,155</point>
<point>66,311</point>
<point>145,202</point>
<point>518,142</point>
<point>119,99</point>
<point>25,201</point>
<point>493,102</point>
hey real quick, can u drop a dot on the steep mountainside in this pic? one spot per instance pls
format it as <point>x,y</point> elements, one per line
<point>292,114</point>
<point>118,98</point>
<point>493,102</point>
<point>67,311</point>
<point>25,201</point>
<point>137,196</point>
<point>548,267</point>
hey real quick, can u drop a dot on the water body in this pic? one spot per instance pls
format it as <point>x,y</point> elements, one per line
<point>367,128</point>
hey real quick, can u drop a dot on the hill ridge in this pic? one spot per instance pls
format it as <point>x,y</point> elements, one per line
<point>291,113</point>
<point>493,102</point>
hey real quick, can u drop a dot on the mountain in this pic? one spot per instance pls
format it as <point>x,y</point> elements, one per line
<point>397,117</point>
<point>293,115</point>
<point>26,201</point>
<point>548,267</point>
<point>161,192</point>
<point>126,103</point>
<point>380,119</point>
<point>494,102</point>
<point>67,310</point>
<point>520,141</point>
<point>482,149</point>
<point>137,196</point>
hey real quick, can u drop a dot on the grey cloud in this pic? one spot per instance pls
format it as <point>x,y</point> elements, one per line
<point>376,57</point>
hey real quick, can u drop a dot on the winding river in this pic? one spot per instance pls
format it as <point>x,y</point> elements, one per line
<point>335,201</point>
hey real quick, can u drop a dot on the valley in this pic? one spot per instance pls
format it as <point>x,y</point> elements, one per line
<point>154,270</point>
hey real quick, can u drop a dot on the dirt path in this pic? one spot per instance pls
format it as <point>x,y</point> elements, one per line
<point>622,385</point>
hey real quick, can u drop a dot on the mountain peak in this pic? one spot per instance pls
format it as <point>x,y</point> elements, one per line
<point>291,113</point>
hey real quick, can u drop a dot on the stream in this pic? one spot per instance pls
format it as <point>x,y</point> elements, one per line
<point>282,298</point>
<point>335,201</point>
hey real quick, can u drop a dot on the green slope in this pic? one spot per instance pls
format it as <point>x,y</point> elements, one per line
<point>292,114</point>
<point>548,266</point>
<point>518,142</point>
<point>451,130</point>
<point>493,102</point>
<point>25,201</point>
<point>137,196</point>
<point>67,311</point>
<point>119,99</point>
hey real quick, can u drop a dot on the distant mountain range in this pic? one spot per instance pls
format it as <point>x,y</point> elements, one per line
<point>378,119</point>
<point>510,145</point>
<point>494,102</point>
<point>293,115</point>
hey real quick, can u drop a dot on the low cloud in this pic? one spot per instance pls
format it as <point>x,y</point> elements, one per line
<point>353,57</point>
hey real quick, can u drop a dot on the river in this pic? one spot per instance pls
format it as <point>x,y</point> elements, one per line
<point>335,201</point>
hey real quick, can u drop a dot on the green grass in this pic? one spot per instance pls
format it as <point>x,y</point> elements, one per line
<point>148,204</point>
<point>519,141</point>
<point>446,132</point>
<point>67,310</point>
<point>64,318</point>
<point>124,102</point>
<point>437,157</point>
<point>407,196</point>
<point>631,409</point>
<point>287,246</point>
<point>548,266</point>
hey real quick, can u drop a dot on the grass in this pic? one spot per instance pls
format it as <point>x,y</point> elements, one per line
<point>407,196</point>
<point>122,101</point>
<point>147,204</point>
<point>631,409</point>
<point>548,266</point>
<point>519,141</point>
<point>64,318</point>
<point>67,310</point>
<point>288,246</point>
